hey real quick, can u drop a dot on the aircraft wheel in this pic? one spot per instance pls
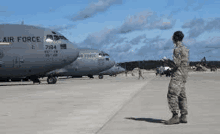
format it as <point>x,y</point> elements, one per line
<point>100,76</point>
<point>51,80</point>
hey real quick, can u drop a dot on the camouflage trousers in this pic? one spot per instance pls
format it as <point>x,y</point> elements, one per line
<point>176,96</point>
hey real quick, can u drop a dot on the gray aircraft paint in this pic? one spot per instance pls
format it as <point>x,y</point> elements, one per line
<point>24,51</point>
<point>113,70</point>
<point>89,62</point>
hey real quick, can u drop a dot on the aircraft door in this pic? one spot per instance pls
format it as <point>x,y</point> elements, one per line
<point>17,62</point>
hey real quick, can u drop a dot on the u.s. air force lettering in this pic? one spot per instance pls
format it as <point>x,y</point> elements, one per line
<point>21,39</point>
<point>29,39</point>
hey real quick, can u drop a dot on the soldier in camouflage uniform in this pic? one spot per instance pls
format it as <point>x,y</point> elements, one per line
<point>176,91</point>
<point>140,74</point>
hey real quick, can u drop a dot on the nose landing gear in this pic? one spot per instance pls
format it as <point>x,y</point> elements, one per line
<point>100,76</point>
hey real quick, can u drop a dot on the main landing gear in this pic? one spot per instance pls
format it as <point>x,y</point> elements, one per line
<point>51,80</point>
<point>35,79</point>
<point>91,76</point>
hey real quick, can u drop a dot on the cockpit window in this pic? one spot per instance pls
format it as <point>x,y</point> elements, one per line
<point>106,54</point>
<point>62,37</point>
<point>50,37</point>
<point>103,54</point>
<point>62,46</point>
<point>53,32</point>
<point>56,37</point>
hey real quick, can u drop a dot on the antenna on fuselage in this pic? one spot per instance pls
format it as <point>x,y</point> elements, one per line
<point>22,23</point>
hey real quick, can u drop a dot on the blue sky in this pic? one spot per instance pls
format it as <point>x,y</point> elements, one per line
<point>128,30</point>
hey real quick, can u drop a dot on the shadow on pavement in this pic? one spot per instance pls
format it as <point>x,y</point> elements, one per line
<point>151,120</point>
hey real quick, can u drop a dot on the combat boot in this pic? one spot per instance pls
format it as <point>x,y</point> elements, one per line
<point>173,120</point>
<point>183,118</point>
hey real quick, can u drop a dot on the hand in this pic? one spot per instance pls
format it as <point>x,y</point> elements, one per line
<point>169,62</point>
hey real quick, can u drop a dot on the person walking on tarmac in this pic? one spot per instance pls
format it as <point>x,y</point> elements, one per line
<point>140,74</point>
<point>161,70</point>
<point>176,95</point>
<point>168,73</point>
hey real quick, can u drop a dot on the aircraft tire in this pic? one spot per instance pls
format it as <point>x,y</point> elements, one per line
<point>100,76</point>
<point>51,80</point>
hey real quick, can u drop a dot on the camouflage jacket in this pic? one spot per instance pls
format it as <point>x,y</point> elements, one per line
<point>181,60</point>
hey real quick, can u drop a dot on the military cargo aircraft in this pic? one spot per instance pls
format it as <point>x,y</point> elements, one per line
<point>30,52</point>
<point>90,62</point>
<point>113,71</point>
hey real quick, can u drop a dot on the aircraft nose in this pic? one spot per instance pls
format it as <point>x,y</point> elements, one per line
<point>70,55</point>
<point>123,70</point>
<point>112,63</point>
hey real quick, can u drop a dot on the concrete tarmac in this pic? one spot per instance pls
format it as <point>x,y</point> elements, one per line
<point>148,109</point>
<point>72,106</point>
<point>113,105</point>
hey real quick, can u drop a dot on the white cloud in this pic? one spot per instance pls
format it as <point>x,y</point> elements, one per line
<point>94,8</point>
<point>199,26</point>
<point>146,20</point>
<point>111,37</point>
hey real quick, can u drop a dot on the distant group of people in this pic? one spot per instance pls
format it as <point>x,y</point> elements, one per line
<point>139,74</point>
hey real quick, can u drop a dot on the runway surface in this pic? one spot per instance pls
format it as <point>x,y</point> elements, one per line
<point>113,105</point>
